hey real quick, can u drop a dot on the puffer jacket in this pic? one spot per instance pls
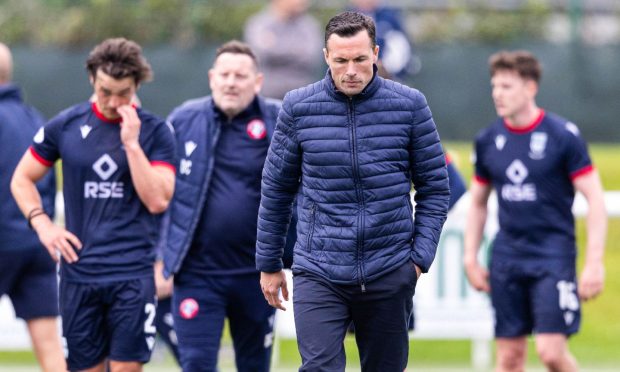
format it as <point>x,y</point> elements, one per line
<point>356,159</point>
<point>197,133</point>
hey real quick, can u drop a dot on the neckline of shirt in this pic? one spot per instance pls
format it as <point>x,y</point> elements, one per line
<point>528,128</point>
<point>102,117</point>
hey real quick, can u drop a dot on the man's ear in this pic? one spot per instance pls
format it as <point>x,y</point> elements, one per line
<point>326,55</point>
<point>259,83</point>
<point>532,87</point>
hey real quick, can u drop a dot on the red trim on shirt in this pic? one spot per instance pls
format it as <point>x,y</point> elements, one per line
<point>41,159</point>
<point>528,128</point>
<point>481,180</point>
<point>102,117</point>
<point>159,163</point>
<point>581,172</point>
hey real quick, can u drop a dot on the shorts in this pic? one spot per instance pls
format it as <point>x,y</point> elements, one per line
<point>29,278</point>
<point>114,320</point>
<point>534,298</point>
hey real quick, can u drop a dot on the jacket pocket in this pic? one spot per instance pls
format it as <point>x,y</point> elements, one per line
<point>311,227</point>
<point>409,210</point>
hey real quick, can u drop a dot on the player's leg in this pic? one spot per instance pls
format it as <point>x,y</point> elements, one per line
<point>116,366</point>
<point>251,323</point>
<point>557,314</point>
<point>381,315</point>
<point>83,329</point>
<point>35,299</point>
<point>513,315</point>
<point>199,310</point>
<point>321,319</point>
<point>46,343</point>
<point>130,323</point>
<point>511,354</point>
<point>553,351</point>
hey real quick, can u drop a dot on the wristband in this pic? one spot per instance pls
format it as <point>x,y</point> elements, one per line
<point>34,213</point>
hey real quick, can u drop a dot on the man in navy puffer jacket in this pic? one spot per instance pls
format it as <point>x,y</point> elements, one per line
<point>356,143</point>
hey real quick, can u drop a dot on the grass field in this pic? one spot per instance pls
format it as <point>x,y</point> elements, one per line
<point>597,346</point>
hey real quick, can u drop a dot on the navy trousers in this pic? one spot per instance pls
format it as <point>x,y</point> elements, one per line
<point>324,310</point>
<point>200,308</point>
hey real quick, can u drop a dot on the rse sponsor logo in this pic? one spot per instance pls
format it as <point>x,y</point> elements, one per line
<point>526,192</point>
<point>105,168</point>
<point>517,173</point>
<point>103,190</point>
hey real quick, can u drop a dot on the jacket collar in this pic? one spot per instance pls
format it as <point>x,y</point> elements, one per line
<point>366,93</point>
<point>10,91</point>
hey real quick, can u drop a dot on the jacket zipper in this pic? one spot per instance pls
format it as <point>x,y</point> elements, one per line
<point>360,199</point>
<point>312,221</point>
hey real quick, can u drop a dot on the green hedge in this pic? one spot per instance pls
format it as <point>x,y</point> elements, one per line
<point>185,23</point>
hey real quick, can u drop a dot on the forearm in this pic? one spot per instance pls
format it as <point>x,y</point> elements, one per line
<point>23,184</point>
<point>474,230</point>
<point>154,188</point>
<point>596,226</point>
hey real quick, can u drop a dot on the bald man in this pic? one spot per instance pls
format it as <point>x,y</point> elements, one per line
<point>28,274</point>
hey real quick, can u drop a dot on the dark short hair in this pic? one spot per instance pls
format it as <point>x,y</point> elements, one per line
<point>237,47</point>
<point>347,24</point>
<point>521,61</point>
<point>119,58</point>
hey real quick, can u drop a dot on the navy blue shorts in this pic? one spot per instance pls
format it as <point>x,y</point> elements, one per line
<point>114,320</point>
<point>29,278</point>
<point>538,297</point>
<point>200,306</point>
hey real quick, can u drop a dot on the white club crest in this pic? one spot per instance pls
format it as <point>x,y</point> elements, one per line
<point>85,129</point>
<point>256,129</point>
<point>500,141</point>
<point>190,146</point>
<point>538,144</point>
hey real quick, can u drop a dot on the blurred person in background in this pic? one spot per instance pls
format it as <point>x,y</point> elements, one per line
<point>27,273</point>
<point>397,58</point>
<point>210,230</point>
<point>286,41</point>
<point>535,160</point>
<point>118,165</point>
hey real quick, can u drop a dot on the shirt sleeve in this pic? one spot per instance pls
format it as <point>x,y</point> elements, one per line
<point>45,144</point>
<point>164,149</point>
<point>481,173</point>
<point>578,160</point>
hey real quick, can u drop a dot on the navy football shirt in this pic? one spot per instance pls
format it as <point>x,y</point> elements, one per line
<point>102,207</point>
<point>532,170</point>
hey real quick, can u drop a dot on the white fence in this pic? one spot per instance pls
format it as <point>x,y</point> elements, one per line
<point>446,307</point>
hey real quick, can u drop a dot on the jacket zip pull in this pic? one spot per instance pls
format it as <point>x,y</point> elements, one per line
<point>363,287</point>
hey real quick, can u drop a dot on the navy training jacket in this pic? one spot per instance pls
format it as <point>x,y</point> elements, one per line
<point>18,124</point>
<point>356,159</point>
<point>197,133</point>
